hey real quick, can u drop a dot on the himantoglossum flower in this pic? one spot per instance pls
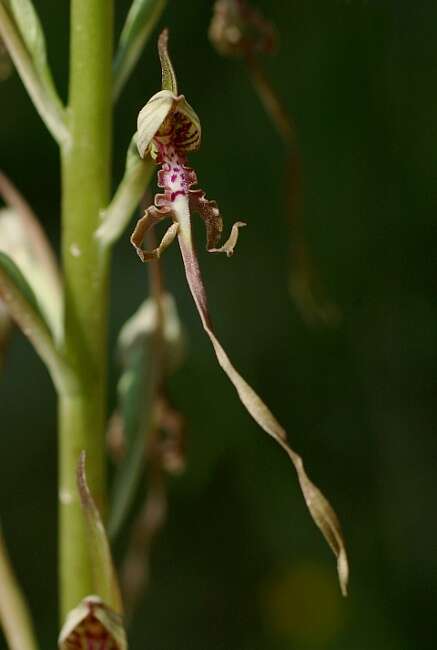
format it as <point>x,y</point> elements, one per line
<point>168,129</point>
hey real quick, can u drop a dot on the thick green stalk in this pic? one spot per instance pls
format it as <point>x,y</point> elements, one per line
<point>85,193</point>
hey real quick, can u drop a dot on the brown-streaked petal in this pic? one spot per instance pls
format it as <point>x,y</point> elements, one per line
<point>210,213</point>
<point>320,509</point>
<point>231,242</point>
<point>151,217</point>
<point>92,624</point>
<point>168,114</point>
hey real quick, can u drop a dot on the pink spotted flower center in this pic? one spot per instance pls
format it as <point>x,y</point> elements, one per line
<point>174,177</point>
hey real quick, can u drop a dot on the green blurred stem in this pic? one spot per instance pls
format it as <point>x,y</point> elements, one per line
<point>15,619</point>
<point>48,106</point>
<point>85,193</point>
<point>127,197</point>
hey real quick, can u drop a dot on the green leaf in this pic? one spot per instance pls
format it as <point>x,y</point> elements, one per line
<point>23,36</point>
<point>11,275</point>
<point>23,307</point>
<point>15,618</point>
<point>140,22</point>
<point>29,26</point>
<point>24,240</point>
<point>5,62</point>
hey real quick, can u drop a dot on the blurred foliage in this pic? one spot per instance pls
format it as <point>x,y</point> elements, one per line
<point>240,564</point>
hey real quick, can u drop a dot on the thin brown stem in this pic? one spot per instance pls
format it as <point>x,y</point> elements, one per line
<point>305,286</point>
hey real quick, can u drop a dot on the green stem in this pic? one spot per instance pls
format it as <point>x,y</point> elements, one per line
<point>127,197</point>
<point>86,185</point>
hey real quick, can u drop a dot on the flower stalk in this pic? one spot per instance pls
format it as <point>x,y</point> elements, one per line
<point>239,30</point>
<point>85,193</point>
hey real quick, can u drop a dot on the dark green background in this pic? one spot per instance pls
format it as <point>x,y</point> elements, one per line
<point>240,565</point>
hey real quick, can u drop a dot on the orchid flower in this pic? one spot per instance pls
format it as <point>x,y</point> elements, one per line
<point>168,129</point>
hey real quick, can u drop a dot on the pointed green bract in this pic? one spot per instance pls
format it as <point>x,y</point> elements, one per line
<point>169,81</point>
<point>105,579</point>
<point>140,22</point>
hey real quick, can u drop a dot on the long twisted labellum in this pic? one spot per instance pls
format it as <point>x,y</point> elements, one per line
<point>319,507</point>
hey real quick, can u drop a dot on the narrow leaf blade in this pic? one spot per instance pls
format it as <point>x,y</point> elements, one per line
<point>140,22</point>
<point>30,28</point>
<point>23,306</point>
<point>15,619</point>
<point>105,580</point>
